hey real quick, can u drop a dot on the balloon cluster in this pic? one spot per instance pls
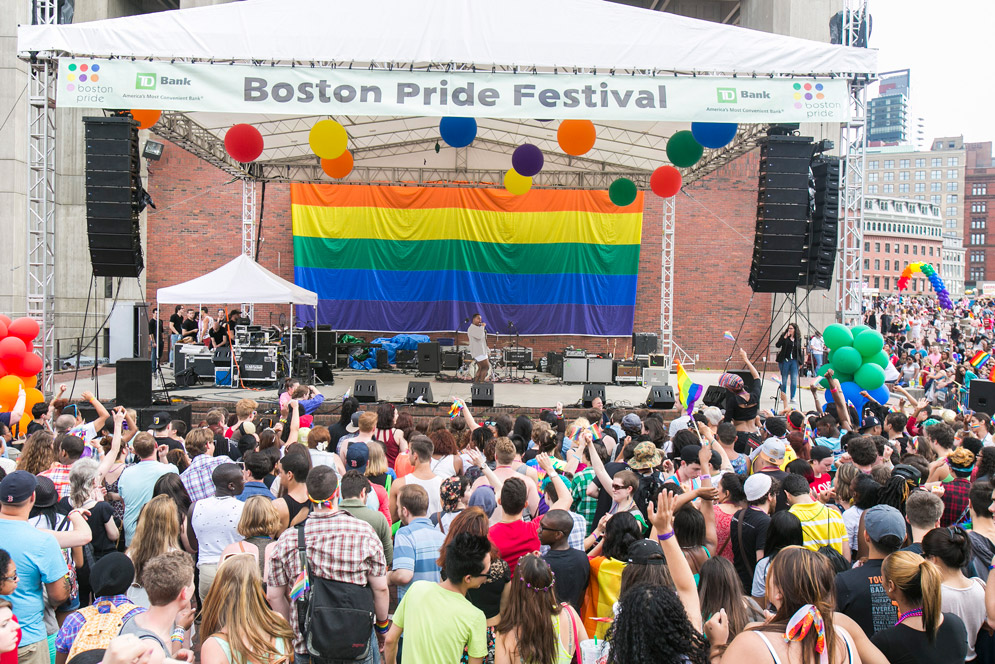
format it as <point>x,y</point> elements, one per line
<point>19,366</point>
<point>934,279</point>
<point>858,360</point>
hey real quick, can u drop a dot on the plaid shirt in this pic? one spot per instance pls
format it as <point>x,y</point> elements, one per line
<point>584,505</point>
<point>60,478</point>
<point>956,500</point>
<point>197,478</point>
<point>75,621</point>
<point>339,547</point>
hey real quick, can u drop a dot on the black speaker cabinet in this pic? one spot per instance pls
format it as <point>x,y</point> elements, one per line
<point>428,358</point>
<point>715,396</point>
<point>177,411</point>
<point>365,391</point>
<point>482,394</point>
<point>554,364</point>
<point>452,360</point>
<point>981,396</point>
<point>383,363</point>
<point>591,392</point>
<point>661,396</point>
<point>644,343</point>
<point>324,344</point>
<point>134,382</point>
<point>421,389</point>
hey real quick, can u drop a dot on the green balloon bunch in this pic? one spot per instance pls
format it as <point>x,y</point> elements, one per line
<point>855,355</point>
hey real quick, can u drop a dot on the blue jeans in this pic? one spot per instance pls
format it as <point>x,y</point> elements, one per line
<point>789,369</point>
<point>818,360</point>
<point>173,338</point>
<point>372,658</point>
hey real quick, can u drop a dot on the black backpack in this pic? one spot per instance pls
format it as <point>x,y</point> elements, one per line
<point>335,618</point>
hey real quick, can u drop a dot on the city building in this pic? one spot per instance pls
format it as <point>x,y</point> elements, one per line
<point>891,118</point>
<point>979,189</point>
<point>898,232</point>
<point>935,176</point>
<point>952,267</point>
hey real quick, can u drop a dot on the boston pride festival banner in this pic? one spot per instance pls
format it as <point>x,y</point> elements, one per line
<point>423,259</point>
<point>165,86</point>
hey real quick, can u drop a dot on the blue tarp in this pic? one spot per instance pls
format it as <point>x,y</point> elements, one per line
<point>391,345</point>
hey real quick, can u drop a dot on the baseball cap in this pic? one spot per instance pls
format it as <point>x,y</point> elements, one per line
<point>160,420</point>
<point>632,421</point>
<point>820,452</point>
<point>248,428</point>
<point>757,486</point>
<point>869,422</point>
<point>353,425</point>
<point>17,487</point>
<point>883,520</point>
<point>772,448</point>
<point>678,424</point>
<point>357,456</point>
<point>689,453</point>
<point>646,552</point>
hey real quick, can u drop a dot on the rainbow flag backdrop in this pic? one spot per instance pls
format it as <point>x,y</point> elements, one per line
<point>422,259</point>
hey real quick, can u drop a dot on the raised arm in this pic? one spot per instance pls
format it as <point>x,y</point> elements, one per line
<point>478,460</point>
<point>295,421</point>
<point>111,457</point>
<point>563,497</point>
<point>749,365</point>
<point>596,463</point>
<point>662,517</point>
<point>707,511</point>
<point>842,412</point>
<point>102,413</point>
<point>468,416</point>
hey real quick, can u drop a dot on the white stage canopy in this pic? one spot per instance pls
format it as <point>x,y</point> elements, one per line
<point>240,280</point>
<point>552,35</point>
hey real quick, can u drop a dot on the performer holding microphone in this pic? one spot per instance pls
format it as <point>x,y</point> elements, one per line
<point>477,331</point>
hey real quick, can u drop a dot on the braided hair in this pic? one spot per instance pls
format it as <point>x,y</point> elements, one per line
<point>652,626</point>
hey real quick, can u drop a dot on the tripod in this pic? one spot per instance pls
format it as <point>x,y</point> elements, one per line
<point>160,395</point>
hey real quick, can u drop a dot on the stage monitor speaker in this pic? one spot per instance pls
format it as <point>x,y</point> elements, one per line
<point>715,395</point>
<point>784,215</point>
<point>482,394</point>
<point>177,411</point>
<point>134,382</point>
<point>591,392</point>
<point>981,396</point>
<point>114,196</point>
<point>323,371</point>
<point>421,389</point>
<point>428,358</point>
<point>452,360</point>
<point>661,396</point>
<point>365,391</point>
<point>644,343</point>
<point>383,363</point>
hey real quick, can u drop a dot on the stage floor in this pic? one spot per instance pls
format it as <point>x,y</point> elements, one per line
<point>535,390</point>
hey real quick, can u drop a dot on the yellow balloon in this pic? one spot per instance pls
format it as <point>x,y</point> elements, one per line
<point>515,183</point>
<point>328,139</point>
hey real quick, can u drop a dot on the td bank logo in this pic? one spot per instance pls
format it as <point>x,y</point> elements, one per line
<point>145,82</point>
<point>726,95</point>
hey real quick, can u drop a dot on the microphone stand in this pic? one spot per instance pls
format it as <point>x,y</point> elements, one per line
<point>518,351</point>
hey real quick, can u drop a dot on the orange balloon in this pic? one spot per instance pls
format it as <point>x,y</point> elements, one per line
<point>145,118</point>
<point>30,381</point>
<point>9,386</point>
<point>23,423</point>
<point>339,167</point>
<point>576,137</point>
<point>31,397</point>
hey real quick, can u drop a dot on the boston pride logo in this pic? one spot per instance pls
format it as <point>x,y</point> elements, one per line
<point>808,92</point>
<point>81,73</point>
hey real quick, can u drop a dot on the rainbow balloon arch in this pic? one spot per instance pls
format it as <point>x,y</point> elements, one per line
<point>926,270</point>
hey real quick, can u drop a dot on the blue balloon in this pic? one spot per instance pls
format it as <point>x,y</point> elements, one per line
<point>851,394</point>
<point>714,134</point>
<point>458,132</point>
<point>881,395</point>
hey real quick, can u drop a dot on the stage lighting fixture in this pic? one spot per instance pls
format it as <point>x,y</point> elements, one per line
<point>152,150</point>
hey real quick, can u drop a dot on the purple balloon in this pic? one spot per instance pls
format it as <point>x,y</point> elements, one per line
<point>527,160</point>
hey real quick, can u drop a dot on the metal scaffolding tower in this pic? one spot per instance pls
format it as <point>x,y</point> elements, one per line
<point>248,227</point>
<point>41,199</point>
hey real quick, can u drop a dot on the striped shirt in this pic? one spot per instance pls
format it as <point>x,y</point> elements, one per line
<point>821,526</point>
<point>416,548</point>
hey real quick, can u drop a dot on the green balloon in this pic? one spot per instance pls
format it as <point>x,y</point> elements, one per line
<point>824,368</point>
<point>837,336</point>
<point>869,343</point>
<point>683,150</point>
<point>622,192</point>
<point>843,377</point>
<point>881,359</point>
<point>823,383</point>
<point>869,377</point>
<point>857,329</point>
<point>847,360</point>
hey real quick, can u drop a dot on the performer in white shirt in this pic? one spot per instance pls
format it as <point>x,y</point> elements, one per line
<point>477,331</point>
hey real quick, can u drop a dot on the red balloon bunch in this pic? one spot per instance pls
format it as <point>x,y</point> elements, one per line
<point>19,365</point>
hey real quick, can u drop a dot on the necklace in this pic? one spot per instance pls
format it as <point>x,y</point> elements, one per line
<point>909,614</point>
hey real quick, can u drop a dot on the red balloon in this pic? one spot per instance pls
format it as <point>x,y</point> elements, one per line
<point>4,319</point>
<point>665,181</point>
<point>244,143</point>
<point>25,328</point>
<point>31,364</point>
<point>3,329</point>
<point>11,351</point>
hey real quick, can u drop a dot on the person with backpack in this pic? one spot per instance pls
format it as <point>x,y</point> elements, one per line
<point>93,627</point>
<point>165,626</point>
<point>328,578</point>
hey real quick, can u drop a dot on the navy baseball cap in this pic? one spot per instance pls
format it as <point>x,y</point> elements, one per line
<point>17,487</point>
<point>357,456</point>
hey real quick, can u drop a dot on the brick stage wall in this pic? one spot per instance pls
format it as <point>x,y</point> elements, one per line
<point>197,228</point>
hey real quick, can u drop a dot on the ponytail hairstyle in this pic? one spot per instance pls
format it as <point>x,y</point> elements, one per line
<point>919,580</point>
<point>950,545</point>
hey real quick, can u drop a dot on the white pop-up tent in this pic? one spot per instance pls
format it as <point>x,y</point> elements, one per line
<point>240,280</point>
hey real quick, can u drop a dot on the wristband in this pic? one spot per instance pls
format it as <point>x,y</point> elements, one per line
<point>704,477</point>
<point>666,536</point>
<point>991,567</point>
<point>382,627</point>
<point>177,635</point>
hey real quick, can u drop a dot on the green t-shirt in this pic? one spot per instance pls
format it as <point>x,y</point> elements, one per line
<point>440,625</point>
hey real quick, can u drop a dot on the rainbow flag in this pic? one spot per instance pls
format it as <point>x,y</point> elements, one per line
<point>728,336</point>
<point>979,358</point>
<point>301,586</point>
<point>687,390</point>
<point>991,375</point>
<point>400,259</point>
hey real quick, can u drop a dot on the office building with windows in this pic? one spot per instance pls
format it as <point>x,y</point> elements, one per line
<point>898,232</point>
<point>979,192</point>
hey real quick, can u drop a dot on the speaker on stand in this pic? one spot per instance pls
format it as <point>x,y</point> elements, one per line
<point>134,382</point>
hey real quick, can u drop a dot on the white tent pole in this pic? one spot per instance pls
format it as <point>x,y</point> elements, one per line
<point>291,338</point>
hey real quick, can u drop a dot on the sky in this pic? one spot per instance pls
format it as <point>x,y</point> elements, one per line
<point>948,46</point>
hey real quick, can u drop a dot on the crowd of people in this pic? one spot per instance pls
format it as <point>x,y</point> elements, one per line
<point>619,536</point>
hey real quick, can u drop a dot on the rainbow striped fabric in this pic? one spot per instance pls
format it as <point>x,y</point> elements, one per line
<point>301,585</point>
<point>423,259</point>
<point>687,390</point>
<point>979,358</point>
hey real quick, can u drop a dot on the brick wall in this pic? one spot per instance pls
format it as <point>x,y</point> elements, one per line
<point>197,228</point>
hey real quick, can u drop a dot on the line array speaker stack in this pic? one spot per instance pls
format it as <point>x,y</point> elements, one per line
<point>114,196</point>
<point>784,214</point>
<point>824,236</point>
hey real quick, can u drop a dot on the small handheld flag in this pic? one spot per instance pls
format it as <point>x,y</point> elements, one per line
<point>687,390</point>
<point>979,358</point>
<point>728,336</point>
<point>455,409</point>
<point>301,586</point>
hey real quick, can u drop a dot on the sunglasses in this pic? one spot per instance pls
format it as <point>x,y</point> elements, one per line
<point>619,487</point>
